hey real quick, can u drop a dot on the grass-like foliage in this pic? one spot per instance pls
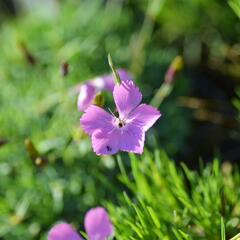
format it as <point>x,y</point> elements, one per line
<point>164,201</point>
<point>235,5</point>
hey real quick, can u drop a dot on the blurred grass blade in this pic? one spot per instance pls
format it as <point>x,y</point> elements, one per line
<point>180,235</point>
<point>154,217</point>
<point>235,5</point>
<point>223,234</point>
<point>237,237</point>
<point>144,36</point>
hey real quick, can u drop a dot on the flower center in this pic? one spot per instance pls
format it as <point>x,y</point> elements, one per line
<point>120,123</point>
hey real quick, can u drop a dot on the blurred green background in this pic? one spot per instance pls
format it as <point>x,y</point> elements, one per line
<point>200,118</point>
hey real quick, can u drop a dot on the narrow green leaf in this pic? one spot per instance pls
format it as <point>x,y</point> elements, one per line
<point>154,216</point>
<point>115,73</point>
<point>237,237</point>
<point>223,234</point>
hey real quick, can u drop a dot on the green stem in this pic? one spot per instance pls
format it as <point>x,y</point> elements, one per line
<point>168,84</point>
<point>161,94</point>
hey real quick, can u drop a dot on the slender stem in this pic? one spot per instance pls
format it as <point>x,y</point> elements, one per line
<point>161,94</point>
<point>168,84</point>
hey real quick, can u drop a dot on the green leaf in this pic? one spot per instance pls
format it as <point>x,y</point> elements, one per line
<point>223,234</point>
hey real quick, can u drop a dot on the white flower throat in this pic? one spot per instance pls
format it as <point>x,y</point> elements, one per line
<point>120,122</point>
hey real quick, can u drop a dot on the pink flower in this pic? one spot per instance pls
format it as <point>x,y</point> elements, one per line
<point>125,132</point>
<point>88,91</point>
<point>63,231</point>
<point>96,222</point>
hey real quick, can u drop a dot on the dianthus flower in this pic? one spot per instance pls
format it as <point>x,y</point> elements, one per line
<point>122,132</point>
<point>96,223</point>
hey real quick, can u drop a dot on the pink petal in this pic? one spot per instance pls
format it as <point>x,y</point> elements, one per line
<point>98,83</point>
<point>144,116</point>
<point>95,118</point>
<point>63,231</point>
<point>87,93</point>
<point>124,75</point>
<point>105,82</point>
<point>132,139</point>
<point>106,142</point>
<point>109,81</point>
<point>97,224</point>
<point>127,97</point>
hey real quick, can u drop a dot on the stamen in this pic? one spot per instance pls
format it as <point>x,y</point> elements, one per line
<point>111,112</point>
